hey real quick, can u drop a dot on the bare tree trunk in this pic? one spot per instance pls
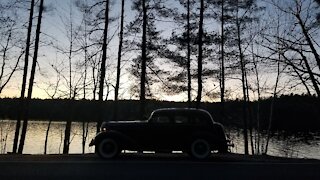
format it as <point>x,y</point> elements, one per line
<point>33,70</point>
<point>116,94</point>
<point>66,142</point>
<point>272,107</point>
<point>70,54</point>
<point>222,73</point>
<point>85,130</point>
<point>47,136</point>
<point>189,53</point>
<point>249,111</point>
<point>104,52</point>
<point>67,132</point>
<point>119,51</point>
<point>258,102</point>
<point>143,61</point>
<point>24,81</point>
<point>200,55</point>
<point>244,107</point>
<point>85,63</point>
<point>94,90</point>
<point>243,69</point>
<point>275,87</point>
<point>103,61</point>
<point>85,124</point>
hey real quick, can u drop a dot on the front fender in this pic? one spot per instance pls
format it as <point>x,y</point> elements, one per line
<point>100,135</point>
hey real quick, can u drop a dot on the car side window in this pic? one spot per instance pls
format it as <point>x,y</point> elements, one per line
<point>160,119</point>
<point>199,120</point>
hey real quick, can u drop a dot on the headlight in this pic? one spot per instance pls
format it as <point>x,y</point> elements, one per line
<point>103,129</point>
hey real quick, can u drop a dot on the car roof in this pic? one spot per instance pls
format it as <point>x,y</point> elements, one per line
<point>181,110</point>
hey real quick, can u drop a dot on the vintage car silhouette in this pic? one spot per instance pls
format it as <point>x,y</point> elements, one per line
<point>192,131</point>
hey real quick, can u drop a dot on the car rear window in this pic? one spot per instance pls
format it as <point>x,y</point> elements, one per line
<point>181,120</point>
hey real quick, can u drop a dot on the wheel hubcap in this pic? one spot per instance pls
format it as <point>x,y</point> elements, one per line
<point>200,149</point>
<point>108,148</point>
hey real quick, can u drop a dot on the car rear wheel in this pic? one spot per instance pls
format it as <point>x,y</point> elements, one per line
<point>108,148</point>
<point>200,148</point>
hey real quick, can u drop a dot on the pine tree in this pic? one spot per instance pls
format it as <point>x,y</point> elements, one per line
<point>184,41</point>
<point>150,44</point>
<point>184,50</point>
<point>200,55</point>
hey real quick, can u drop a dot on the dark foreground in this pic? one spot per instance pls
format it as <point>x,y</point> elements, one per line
<point>151,166</point>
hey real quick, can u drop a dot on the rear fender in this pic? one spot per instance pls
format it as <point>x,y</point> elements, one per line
<point>219,132</point>
<point>203,135</point>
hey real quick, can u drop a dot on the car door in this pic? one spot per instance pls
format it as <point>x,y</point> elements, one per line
<point>160,132</point>
<point>182,130</point>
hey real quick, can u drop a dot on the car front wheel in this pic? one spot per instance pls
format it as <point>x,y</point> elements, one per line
<point>200,148</point>
<point>108,148</point>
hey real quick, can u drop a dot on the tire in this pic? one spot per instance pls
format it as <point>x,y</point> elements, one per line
<point>200,148</point>
<point>108,148</point>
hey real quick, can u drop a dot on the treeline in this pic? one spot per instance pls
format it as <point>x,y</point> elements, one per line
<point>292,113</point>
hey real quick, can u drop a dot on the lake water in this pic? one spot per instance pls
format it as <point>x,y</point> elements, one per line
<point>290,146</point>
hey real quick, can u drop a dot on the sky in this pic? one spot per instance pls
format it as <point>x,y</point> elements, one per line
<point>54,31</point>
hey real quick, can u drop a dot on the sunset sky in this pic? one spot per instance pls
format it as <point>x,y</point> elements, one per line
<point>54,35</point>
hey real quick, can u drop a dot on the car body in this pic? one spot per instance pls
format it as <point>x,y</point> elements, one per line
<point>171,129</point>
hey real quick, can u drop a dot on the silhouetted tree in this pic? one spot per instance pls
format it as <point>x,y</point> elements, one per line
<point>150,44</point>
<point>184,39</point>
<point>104,51</point>
<point>296,43</point>
<point>103,60</point>
<point>31,80</point>
<point>72,92</point>
<point>6,72</point>
<point>222,16</point>
<point>200,55</point>
<point>143,58</point>
<point>24,80</point>
<point>46,138</point>
<point>116,93</point>
<point>238,15</point>
<point>189,52</point>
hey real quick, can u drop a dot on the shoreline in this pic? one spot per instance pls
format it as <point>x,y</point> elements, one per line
<point>228,157</point>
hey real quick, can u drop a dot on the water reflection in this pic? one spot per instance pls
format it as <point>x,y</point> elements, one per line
<point>279,145</point>
<point>36,134</point>
<point>291,146</point>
